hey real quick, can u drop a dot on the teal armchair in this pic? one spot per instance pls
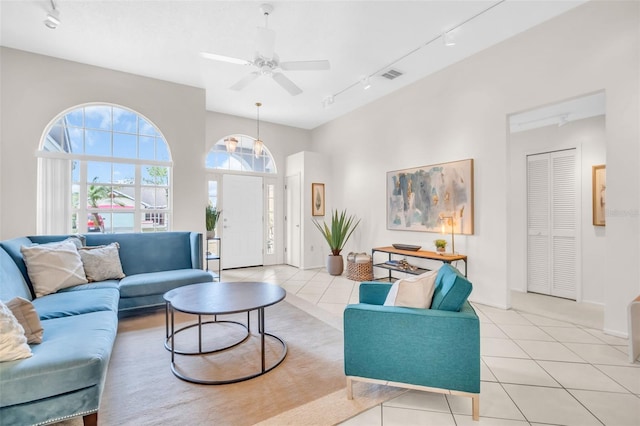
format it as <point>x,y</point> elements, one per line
<point>435,350</point>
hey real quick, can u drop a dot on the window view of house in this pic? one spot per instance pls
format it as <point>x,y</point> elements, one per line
<point>120,169</point>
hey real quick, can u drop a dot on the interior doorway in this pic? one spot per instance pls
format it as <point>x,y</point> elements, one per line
<point>552,223</point>
<point>292,221</point>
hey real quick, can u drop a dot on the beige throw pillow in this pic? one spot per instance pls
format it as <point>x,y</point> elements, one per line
<point>28,318</point>
<point>13,343</point>
<point>413,292</point>
<point>102,262</point>
<point>53,266</point>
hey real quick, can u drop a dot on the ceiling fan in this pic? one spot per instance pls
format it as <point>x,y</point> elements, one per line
<point>267,61</point>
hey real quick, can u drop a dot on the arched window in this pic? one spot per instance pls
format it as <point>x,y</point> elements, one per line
<point>236,152</point>
<point>103,168</point>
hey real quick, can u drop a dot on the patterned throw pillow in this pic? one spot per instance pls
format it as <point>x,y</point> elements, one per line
<point>102,262</point>
<point>13,343</point>
<point>28,318</point>
<point>53,266</point>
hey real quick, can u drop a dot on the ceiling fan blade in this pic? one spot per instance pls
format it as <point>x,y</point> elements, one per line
<point>223,58</point>
<point>305,65</point>
<point>266,42</point>
<point>286,84</point>
<point>244,81</point>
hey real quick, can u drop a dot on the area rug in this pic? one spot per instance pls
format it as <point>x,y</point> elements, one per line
<point>307,388</point>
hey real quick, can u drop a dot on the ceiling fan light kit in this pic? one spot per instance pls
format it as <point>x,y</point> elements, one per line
<point>267,62</point>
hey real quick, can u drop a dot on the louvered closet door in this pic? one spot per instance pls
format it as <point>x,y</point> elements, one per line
<point>552,224</point>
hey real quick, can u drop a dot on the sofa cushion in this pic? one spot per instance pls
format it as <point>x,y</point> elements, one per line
<point>12,247</point>
<point>12,282</point>
<point>13,342</point>
<point>69,303</point>
<point>53,266</point>
<point>101,262</point>
<point>452,289</point>
<point>28,318</point>
<point>149,252</point>
<point>73,355</point>
<point>160,282</point>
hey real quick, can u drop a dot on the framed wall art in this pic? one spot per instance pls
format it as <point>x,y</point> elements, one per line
<point>317,199</point>
<point>599,186</point>
<point>419,198</point>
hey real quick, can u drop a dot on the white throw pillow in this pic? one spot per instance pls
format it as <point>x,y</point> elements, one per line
<point>413,292</point>
<point>53,266</point>
<point>13,342</point>
<point>102,262</point>
<point>391,296</point>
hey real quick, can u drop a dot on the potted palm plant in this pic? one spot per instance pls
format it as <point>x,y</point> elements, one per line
<point>336,235</point>
<point>212,215</point>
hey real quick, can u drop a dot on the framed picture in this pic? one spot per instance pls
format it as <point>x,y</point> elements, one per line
<point>599,187</point>
<point>431,198</point>
<point>317,199</point>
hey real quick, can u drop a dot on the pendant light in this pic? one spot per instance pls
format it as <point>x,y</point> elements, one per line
<point>258,144</point>
<point>231,144</point>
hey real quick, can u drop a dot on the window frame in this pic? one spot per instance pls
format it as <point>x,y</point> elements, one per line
<point>82,209</point>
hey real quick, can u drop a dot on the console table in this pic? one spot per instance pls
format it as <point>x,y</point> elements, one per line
<point>421,254</point>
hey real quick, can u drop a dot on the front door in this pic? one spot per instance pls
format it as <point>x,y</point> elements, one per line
<point>242,221</point>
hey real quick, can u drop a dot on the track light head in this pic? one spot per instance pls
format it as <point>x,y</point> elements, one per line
<point>52,20</point>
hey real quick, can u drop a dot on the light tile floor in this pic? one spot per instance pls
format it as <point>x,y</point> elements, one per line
<point>536,369</point>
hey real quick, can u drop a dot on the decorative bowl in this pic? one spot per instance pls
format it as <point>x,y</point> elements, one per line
<point>407,247</point>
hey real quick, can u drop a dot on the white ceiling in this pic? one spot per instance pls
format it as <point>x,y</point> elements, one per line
<point>163,40</point>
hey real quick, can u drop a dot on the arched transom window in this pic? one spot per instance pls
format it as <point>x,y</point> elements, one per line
<point>103,168</point>
<point>238,153</point>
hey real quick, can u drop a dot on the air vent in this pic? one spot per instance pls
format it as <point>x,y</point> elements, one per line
<point>391,74</point>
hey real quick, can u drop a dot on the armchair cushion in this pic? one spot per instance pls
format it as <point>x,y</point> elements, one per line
<point>452,289</point>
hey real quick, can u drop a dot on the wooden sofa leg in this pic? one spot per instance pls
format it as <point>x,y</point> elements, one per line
<point>90,419</point>
<point>475,407</point>
<point>349,388</point>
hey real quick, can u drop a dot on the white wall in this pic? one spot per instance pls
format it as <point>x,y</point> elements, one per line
<point>36,88</point>
<point>588,137</point>
<point>312,168</point>
<point>461,112</point>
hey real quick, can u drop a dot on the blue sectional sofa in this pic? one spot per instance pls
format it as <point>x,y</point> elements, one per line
<point>66,373</point>
<point>436,349</point>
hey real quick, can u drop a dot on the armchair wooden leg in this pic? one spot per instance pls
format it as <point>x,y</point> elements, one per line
<point>475,407</point>
<point>90,419</point>
<point>349,388</point>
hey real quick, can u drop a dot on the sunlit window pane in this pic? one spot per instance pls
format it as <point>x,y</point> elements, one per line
<point>145,128</point>
<point>146,146</point>
<point>97,117</point>
<point>124,173</point>
<point>74,118</point>
<point>97,142</point>
<point>124,121</point>
<point>155,175</point>
<point>162,152</point>
<point>98,172</point>
<point>242,159</point>
<point>124,145</point>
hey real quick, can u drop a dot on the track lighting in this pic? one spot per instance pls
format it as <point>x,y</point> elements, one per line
<point>449,38</point>
<point>366,84</point>
<point>327,102</point>
<point>53,17</point>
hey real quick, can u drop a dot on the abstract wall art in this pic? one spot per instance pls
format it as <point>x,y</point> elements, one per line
<point>418,198</point>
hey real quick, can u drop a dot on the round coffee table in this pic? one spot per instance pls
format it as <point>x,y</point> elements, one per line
<point>221,298</point>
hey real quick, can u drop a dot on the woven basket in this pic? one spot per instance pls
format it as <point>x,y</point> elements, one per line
<point>359,271</point>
